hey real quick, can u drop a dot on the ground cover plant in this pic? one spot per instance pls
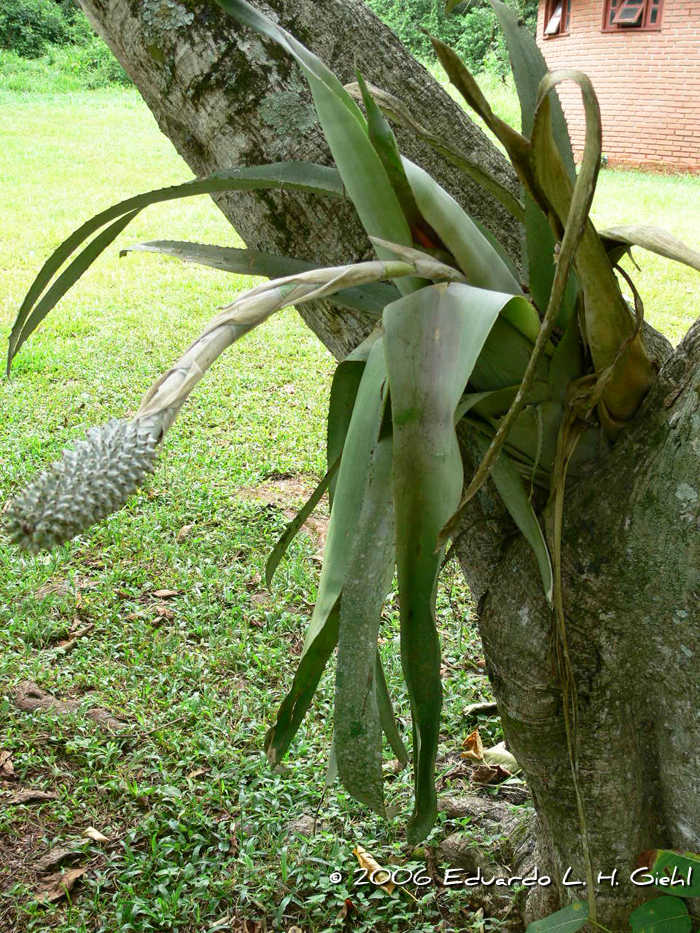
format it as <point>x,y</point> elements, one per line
<point>116,408</point>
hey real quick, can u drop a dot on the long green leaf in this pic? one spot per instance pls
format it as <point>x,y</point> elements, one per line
<point>293,528</point>
<point>357,724</point>
<point>371,298</point>
<point>397,111</point>
<point>66,279</point>
<point>432,340</point>
<point>386,714</point>
<point>344,388</point>
<point>294,176</point>
<point>510,488</point>
<point>322,634</point>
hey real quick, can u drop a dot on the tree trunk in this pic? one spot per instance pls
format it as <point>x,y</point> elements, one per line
<point>631,549</point>
<point>631,573</point>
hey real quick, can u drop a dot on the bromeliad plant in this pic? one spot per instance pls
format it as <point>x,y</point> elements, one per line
<point>544,369</point>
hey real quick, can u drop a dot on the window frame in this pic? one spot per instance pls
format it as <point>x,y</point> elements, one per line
<point>610,11</point>
<point>565,22</point>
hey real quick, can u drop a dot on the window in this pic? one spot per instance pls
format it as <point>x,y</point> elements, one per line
<point>631,15</point>
<point>556,18</point>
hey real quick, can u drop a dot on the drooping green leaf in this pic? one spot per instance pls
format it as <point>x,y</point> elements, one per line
<point>656,240</point>
<point>661,915</point>
<point>540,246</point>
<point>371,298</point>
<point>511,490</point>
<point>293,528</point>
<point>357,724</point>
<point>432,340</point>
<point>322,634</point>
<point>567,920</point>
<point>682,868</point>
<point>480,263</point>
<point>386,714</point>
<point>344,389</point>
<point>529,67</point>
<point>65,280</point>
<point>294,176</point>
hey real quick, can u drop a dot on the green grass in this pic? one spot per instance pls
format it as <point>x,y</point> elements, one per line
<point>199,825</point>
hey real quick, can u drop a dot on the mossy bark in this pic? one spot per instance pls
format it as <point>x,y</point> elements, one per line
<point>631,550</point>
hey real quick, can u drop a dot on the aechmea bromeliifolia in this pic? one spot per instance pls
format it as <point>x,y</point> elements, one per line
<point>97,476</point>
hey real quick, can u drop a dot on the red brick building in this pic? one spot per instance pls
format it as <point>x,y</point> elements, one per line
<point>643,57</point>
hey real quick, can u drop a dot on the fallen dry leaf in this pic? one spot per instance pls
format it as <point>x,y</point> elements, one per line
<point>165,594</point>
<point>184,532</point>
<point>163,612</point>
<point>29,795</point>
<point>58,886</point>
<point>6,770</point>
<point>197,773</point>
<point>63,647</point>
<point>57,856</point>
<point>487,774</point>
<point>95,835</point>
<point>367,862</point>
<point>473,747</point>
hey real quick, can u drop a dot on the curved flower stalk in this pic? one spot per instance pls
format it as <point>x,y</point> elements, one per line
<point>97,476</point>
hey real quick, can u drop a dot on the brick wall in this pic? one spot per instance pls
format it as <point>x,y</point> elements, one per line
<point>648,83</point>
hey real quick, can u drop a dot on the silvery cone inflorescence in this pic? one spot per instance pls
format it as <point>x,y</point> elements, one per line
<point>93,479</point>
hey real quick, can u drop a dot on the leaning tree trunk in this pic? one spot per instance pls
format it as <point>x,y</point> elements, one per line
<point>631,550</point>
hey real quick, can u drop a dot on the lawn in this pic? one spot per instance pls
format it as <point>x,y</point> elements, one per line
<point>200,830</point>
<point>177,635</point>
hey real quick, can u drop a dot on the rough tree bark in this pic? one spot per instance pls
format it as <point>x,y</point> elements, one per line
<point>631,553</point>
